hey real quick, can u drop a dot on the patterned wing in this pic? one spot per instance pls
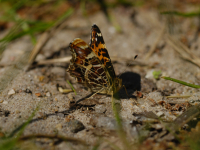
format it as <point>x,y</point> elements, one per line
<point>86,66</point>
<point>98,46</point>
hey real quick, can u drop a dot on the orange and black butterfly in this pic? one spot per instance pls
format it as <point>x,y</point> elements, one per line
<point>92,66</point>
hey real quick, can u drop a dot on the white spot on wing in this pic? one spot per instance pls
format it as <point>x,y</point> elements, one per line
<point>98,34</point>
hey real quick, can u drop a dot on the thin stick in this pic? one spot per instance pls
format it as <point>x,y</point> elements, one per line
<point>183,51</point>
<point>51,61</point>
<point>67,60</point>
<point>179,96</point>
<point>45,37</point>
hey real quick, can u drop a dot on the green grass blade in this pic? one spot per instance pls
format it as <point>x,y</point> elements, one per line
<point>34,29</point>
<point>189,14</point>
<point>72,87</point>
<point>116,109</point>
<point>181,82</point>
<point>26,123</point>
<point>10,142</point>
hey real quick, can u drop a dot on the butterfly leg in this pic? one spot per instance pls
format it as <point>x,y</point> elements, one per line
<point>126,91</point>
<point>96,92</point>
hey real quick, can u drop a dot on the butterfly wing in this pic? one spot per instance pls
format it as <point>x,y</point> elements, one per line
<point>98,46</point>
<point>86,67</point>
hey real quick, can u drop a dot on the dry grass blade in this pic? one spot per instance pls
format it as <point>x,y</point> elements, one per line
<point>155,43</point>
<point>41,42</point>
<point>179,96</point>
<point>67,60</point>
<point>61,90</point>
<point>184,52</point>
<point>177,101</point>
<point>51,61</point>
<point>185,117</point>
<point>45,37</point>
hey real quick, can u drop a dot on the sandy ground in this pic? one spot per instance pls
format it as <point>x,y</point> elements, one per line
<point>94,118</point>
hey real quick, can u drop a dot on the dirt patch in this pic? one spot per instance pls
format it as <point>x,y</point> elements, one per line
<point>92,119</point>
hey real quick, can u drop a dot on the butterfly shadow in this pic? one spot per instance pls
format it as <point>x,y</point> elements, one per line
<point>132,83</point>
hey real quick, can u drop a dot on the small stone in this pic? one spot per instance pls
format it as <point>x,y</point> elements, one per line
<point>149,74</point>
<point>40,57</point>
<point>74,126</point>
<point>11,92</point>
<point>106,122</point>
<point>5,102</point>
<point>157,126</point>
<point>100,109</point>
<point>60,115</point>
<point>48,94</point>
<point>38,94</point>
<point>160,113</point>
<point>1,101</point>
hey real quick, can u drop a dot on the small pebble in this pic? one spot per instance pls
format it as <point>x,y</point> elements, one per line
<point>100,109</point>
<point>74,126</point>
<point>5,102</point>
<point>160,113</point>
<point>1,101</point>
<point>38,94</point>
<point>106,122</point>
<point>40,57</point>
<point>11,92</point>
<point>48,94</point>
<point>60,115</point>
<point>149,74</point>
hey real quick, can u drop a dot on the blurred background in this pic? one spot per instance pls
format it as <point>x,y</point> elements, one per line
<point>34,55</point>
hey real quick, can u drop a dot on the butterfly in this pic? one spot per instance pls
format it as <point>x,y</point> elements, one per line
<point>92,66</point>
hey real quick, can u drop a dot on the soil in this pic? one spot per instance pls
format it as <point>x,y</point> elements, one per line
<point>92,120</point>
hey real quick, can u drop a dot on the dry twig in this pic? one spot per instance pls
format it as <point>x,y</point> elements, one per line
<point>184,51</point>
<point>51,61</point>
